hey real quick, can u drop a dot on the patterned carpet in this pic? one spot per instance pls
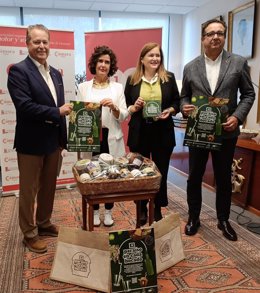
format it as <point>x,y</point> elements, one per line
<point>11,248</point>
<point>212,263</point>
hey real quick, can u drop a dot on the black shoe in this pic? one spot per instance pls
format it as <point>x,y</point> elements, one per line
<point>227,230</point>
<point>192,226</point>
<point>143,216</point>
<point>157,214</point>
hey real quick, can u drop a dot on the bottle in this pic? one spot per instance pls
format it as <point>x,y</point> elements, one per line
<point>95,129</point>
<point>138,161</point>
<point>148,265</point>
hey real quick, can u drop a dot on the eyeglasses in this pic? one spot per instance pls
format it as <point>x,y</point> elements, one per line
<point>212,34</point>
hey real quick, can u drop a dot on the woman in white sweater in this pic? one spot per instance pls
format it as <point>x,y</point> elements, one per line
<point>110,94</point>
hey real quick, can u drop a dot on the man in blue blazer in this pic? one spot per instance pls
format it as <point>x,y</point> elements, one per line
<point>216,73</point>
<point>37,92</point>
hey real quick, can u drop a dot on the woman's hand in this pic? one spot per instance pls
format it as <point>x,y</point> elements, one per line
<point>107,102</point>
<point>139,103</point>
<point>137,106</point>
<point>166,113</point>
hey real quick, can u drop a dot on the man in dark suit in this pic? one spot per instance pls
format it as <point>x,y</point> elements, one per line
<point>216,73</point>
<point>37,92</point>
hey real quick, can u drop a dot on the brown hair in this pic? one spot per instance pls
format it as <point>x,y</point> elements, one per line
<point>139,70</point>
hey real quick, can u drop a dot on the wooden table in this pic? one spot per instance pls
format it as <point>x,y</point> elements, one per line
<point>137,196</point>
<point>249,151</point>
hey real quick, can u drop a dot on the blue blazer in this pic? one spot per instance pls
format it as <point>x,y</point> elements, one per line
<point>39,127</point>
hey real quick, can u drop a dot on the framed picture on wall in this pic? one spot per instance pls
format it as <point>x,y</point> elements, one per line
<point>241,30</point>
<point>258,103</point>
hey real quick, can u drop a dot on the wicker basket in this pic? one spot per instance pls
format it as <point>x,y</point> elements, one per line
<point>105,186</point>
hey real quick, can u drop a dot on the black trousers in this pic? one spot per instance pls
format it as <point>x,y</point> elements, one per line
<point>222,162</point>
<point>157,143</point>
<point>104,149</point>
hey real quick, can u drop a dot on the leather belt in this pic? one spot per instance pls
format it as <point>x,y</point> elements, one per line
<point>149,120</point>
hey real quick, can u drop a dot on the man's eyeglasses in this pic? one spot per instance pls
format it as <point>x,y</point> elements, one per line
<point>212,34</point>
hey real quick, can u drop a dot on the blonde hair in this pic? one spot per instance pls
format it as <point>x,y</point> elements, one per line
<point>139,70</point>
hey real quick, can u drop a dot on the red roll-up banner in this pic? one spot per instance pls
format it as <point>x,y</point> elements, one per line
<point>13,50</point>
<point>127,45</point>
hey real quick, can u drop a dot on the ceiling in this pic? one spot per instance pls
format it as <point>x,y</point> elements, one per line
<point>149,6</point>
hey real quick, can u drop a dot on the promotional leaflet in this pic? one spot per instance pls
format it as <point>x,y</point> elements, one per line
<point>204,126</point>
<point>84,127</point>
<point>152,108</point>
<point>133,262</point>
<point>151,94</point>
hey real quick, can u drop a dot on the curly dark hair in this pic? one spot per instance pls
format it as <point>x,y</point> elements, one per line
<point>99,51</point>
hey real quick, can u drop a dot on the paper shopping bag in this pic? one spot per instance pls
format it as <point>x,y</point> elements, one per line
<point>82,258</point>
<point>168,242</point>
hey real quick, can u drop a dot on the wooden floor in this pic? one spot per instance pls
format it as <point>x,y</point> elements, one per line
<point>238,214</point>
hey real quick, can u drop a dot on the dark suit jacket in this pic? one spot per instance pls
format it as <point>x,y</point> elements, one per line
<point>233,76</point>
<point>170,98</point>
<point>39,127</point>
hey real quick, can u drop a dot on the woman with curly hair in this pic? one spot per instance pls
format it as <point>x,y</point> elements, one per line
<point>110,94</point>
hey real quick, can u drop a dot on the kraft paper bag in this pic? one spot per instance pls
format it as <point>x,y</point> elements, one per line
<point>168,242</point>
<point>82,258</point>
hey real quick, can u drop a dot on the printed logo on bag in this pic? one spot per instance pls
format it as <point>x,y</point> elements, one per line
<point>81,264</point>
<point>166,251</point>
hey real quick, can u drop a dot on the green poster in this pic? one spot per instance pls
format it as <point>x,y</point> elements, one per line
<point>152,108</point>
<point>84,127</point>
<point>133,265</point>
<point>204,126</point>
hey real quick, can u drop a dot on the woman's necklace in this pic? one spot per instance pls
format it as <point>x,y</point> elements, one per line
<point>100,85</point>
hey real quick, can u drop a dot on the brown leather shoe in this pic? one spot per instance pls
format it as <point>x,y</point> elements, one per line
<point>35,244</point>
<point>52,231</point>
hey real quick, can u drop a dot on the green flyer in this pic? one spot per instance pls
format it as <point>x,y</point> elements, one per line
<point>84,127</point>
<point>133,265</point>
<point>204,126</point>
<point>152,108</point>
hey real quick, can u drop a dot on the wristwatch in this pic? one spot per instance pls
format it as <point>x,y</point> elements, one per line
<point>129,110</point>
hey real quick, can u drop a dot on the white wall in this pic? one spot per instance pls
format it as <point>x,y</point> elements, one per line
<point>185,43</point>
<point>175,63</point>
